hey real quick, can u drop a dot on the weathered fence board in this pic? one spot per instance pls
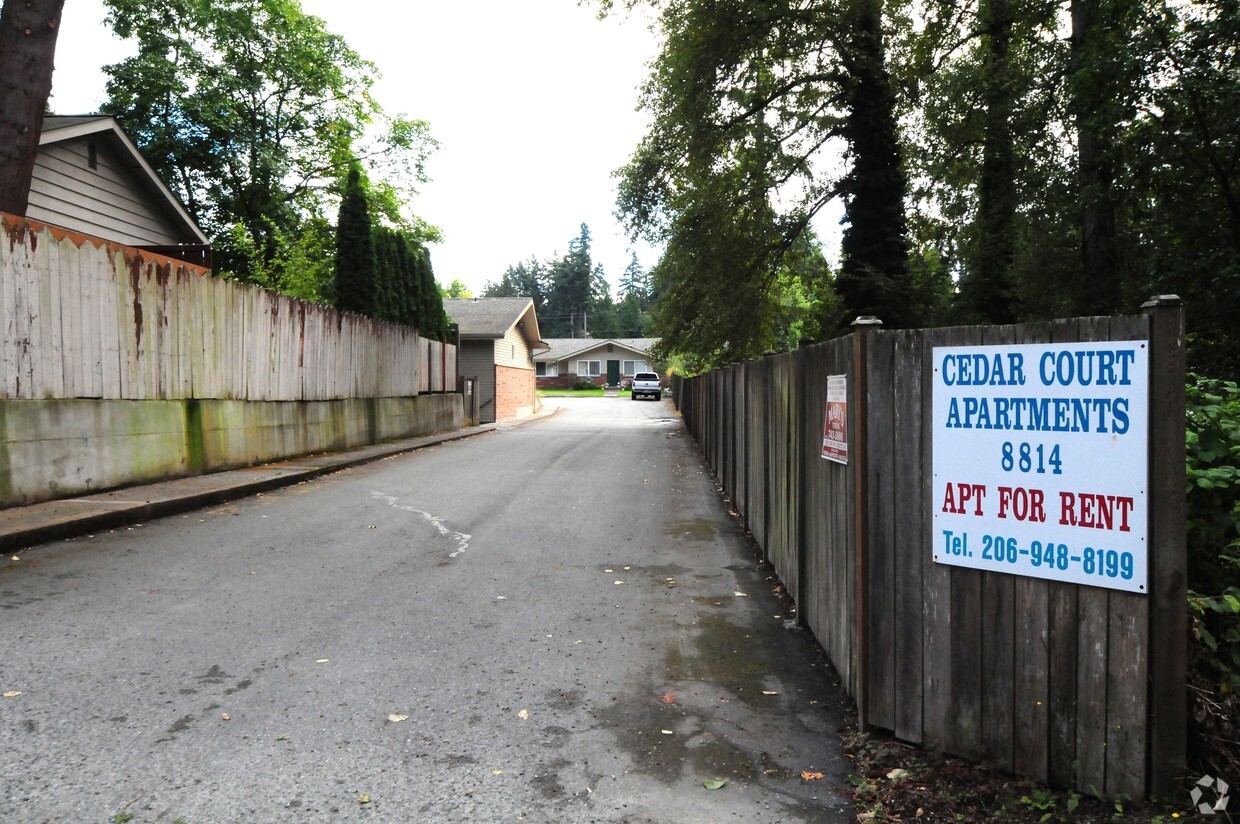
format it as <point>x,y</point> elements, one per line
<point>910,524</point>
<point>881,550</point>
<point>782,461</point>
<point>1030,649</point>
<point>998,634</point>
<point>1168,620</point>
<point>736,436</point>
<point>757,445</point>
<point>1127,657</point>
<point>85,319</point>
<point>53,350</point>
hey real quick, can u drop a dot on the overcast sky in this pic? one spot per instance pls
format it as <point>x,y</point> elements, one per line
<point>533,103</point>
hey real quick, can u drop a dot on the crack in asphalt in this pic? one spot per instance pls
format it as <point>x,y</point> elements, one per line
<point>461,538</point>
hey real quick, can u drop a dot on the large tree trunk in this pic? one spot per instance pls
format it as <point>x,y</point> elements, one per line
<point>28,31</point>
<point>874,276</point>
<point>1093,92</point>
<point>990,289</point>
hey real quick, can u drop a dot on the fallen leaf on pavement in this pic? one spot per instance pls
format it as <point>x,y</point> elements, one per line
<point>810,776</point>
<point>225,716</point>
<point>497,772</point>
<point>897,774</point>
<point>394,718</point>
<point>284,737</point>
<point>714,783</point>
<point>669,698</point>
<point>12,693</point>
<point>363,799</point>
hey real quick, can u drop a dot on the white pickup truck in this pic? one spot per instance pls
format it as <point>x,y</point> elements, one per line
<point>647,383</point>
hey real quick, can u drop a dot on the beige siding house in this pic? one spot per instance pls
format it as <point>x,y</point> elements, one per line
<point>611,361</point>
<point>90,178</point>
<point>498,339</point>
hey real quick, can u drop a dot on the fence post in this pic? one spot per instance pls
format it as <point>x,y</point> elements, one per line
<point>862,327</point>
<point>1168,652</point>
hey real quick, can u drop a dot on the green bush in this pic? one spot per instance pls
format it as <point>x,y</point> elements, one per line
<point>1213,452</point>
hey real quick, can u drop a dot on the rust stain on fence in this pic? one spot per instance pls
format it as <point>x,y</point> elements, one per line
<point>18,232</point>
<point>135,282</point>
<point>163,274</point>
<point>301,334</point>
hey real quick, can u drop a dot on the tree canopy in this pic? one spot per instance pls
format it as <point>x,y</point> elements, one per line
<point>253,112</point>
<point>750,102</point>
<point>572,296</point>
<point>997,161</point>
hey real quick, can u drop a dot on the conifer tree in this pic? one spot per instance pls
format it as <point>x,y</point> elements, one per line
<point>355,252</point>
<point>433,322</point>
<point>387,275</point>
<point>407,267</point>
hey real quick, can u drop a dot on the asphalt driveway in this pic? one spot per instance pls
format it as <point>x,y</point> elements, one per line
<point>551,622</point>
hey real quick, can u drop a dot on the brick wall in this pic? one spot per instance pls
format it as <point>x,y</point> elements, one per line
<point>555,382</point>
<point>568,381</point>
<point>514,391</point>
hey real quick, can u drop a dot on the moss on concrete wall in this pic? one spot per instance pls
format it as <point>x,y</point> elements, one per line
<point>60,448</point>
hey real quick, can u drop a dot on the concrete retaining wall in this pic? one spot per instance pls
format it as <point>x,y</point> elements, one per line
<point>58,448</point>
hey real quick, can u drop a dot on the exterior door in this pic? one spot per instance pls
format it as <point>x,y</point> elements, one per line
<point>613,373</point>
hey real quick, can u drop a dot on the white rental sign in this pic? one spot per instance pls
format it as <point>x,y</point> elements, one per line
<point>1040,460</point>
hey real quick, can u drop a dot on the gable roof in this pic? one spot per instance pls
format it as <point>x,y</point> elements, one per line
<point>493,317</point>
<point>563,348</point>
<point>61,128</point>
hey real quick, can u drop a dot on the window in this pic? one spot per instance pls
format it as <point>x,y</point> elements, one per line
<point>589,368</point>
<point>543,369</point>
<point>632,367</point>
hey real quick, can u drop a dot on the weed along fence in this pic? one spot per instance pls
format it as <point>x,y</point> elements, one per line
<point>119,366</point>
<point>984,527</point>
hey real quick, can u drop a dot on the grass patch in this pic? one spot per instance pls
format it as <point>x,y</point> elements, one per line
<point>596,392</point>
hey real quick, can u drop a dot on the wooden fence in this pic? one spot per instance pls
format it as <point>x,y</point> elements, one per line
<point>85,319</point>
<point>1077,686</point>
